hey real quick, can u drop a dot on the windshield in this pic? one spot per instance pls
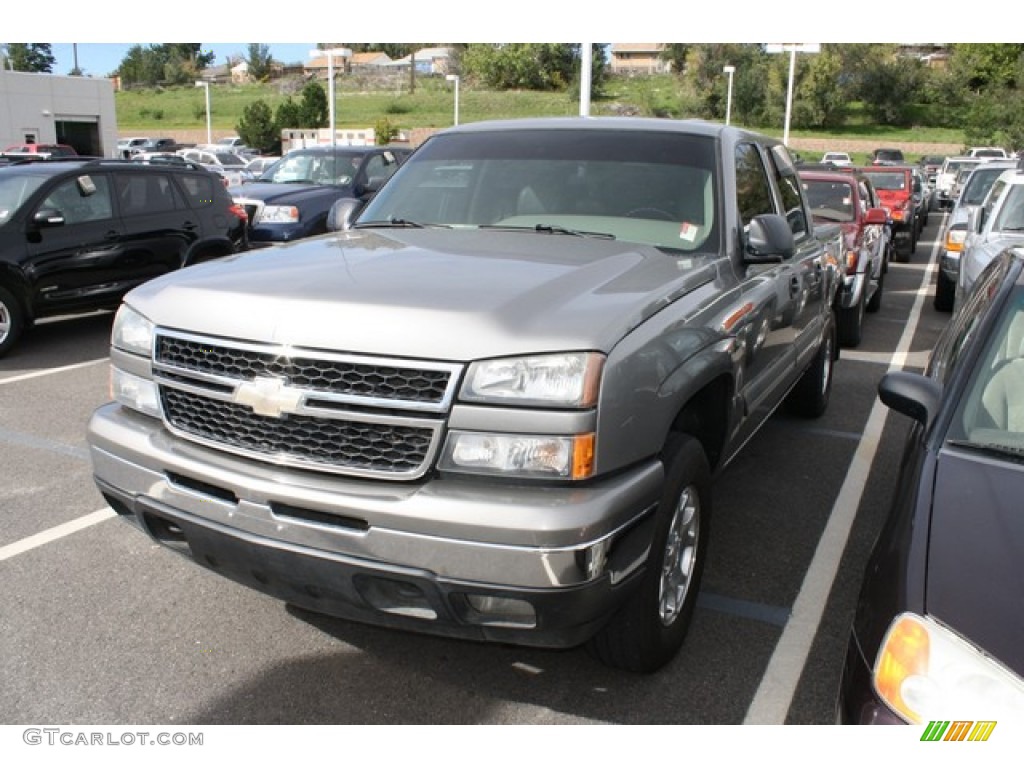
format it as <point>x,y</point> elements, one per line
<point>654,188</point>
<point>15,189</point>
<point>229,158</point>
<point>313,168</point>
<point>978,185</point>
<point>991,415</point>
<point>829,200</point>
<point>1011,214</point>
<point>888,181</point>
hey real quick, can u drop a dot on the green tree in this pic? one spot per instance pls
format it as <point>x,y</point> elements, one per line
<point>288,114</point>
<point>257,127</point>
<point>259,61</point>
<point>821,99</point>
<point>675,54</point>
<point>31,57</point>
<point>534,66</point>
<point>887,88</point>
<point>751,81</point>
<point>170,63</point>
<point>982,66</point>
<point>313,108</point>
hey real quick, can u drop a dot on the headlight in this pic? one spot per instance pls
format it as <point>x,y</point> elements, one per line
<point>568,380</point>
<point>955,239</point>
<point>538,456</point>
<point>135,392</point>
<point>925,671</point>
<point>132,332</point>
<point>279,214</point>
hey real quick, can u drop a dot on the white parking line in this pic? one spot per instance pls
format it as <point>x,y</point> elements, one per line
<point>774,695</point>
<point>57,532</point>
<point>48,371</point>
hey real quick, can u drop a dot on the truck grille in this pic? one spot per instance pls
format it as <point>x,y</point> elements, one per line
<point>346,414</point>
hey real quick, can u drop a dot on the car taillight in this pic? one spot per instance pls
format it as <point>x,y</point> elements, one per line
<point>239,211</point>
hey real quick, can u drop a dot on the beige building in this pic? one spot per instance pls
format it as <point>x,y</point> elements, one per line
<point>637,58</point>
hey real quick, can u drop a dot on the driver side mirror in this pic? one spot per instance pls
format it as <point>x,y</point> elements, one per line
<point>343,213</point>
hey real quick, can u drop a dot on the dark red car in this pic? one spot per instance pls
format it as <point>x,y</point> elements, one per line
<point>846,198</point>
<point>895,187</point>
<point>938,633</point>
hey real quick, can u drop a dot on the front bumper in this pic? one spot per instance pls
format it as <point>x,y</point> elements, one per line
<point>949,263</point>
<point>555,562</point>
<point>858,704</point>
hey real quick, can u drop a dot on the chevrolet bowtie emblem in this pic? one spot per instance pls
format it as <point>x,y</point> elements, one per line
<point>268,396</point>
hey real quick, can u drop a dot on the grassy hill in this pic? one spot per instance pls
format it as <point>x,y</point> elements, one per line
<point>360,102</point>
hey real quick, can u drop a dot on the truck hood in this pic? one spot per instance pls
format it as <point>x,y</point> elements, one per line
<point>975,583</point>
<point>439,294</point>
<point>286,193</point>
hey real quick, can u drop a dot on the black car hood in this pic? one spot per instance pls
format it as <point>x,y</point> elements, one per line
<point>280,194</point>
<point>975,580</point>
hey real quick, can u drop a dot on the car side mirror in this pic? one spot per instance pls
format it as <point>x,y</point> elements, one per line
<point>975,219</point>
<point>48,217</point>
<point>911,394</point>
<point>769,240</point>
<point>343,213</point>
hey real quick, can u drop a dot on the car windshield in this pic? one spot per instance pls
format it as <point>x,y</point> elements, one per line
<point>1011,213</point>
<point>657,189</point>
<point>15,189</point>
<point>313,168</point>
<point>978,184</point>
<point>954,166</point>
<point>888,181</point>
<point>829,200</point>
<point>991,415</point>
<point>229,158</point>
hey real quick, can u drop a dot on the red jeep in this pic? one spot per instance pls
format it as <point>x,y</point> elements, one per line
<point>895,187</point>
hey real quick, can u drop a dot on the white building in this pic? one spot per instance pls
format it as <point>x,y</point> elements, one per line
<point>54,109</point>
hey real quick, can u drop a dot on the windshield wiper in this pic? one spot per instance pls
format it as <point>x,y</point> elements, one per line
<point>551,229</point>
<point>396,222</point>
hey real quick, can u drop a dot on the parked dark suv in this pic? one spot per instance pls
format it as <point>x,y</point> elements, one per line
<point>290,200</point>
<point>76,235</point>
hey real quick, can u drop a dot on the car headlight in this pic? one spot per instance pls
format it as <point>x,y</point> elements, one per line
<point>568,457</point>
<point>565,380</point>
<point>925,671</point>
<point>955,238</point>
<point>132,332</point>
<point>279,214</point>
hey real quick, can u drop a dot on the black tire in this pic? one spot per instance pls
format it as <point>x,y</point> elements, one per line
<point>875,303</point>
<point>809,398</point>
<point>850,324</point>
<point>647,632</point>
<point>945,293</point>
<point>12,320</point>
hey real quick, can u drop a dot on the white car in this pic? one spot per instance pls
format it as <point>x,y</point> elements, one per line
<point>946,178</point>
<point>127,146</point>
<point>227,164</point>
<point>837,158</point>
<point>995,225</point>
<point>258,165</point>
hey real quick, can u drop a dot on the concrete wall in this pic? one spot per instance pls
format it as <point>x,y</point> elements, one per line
<point>35,103</point>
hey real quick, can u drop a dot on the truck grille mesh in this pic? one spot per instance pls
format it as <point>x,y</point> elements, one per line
<point>344,414</point>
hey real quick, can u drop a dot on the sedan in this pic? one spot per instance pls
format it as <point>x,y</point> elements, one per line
<point>939,628</point>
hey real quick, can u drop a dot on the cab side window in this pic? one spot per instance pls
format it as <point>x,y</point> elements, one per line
<point>789,188</point>
<point>81,199</point>
<point>753,191</point>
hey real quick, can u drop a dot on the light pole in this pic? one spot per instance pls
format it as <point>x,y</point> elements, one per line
<point>455,79</point>
<point>330,53</point>
<point>209,125</point>
<point>729,69</point>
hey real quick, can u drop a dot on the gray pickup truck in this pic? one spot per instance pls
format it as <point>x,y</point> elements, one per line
<point>489,404</point>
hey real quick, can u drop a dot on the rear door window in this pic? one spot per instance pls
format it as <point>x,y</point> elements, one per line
<point>198,188</point>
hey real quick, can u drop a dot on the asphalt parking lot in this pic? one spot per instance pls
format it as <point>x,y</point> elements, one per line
<point>102,626</point>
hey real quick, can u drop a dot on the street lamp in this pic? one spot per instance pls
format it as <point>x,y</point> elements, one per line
<point>330,53</point>
<point>455,79</point>
<point>209,125</point>
<point>729,69</point>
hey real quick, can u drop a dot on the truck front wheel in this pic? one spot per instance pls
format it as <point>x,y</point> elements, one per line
<point>649,629</point>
